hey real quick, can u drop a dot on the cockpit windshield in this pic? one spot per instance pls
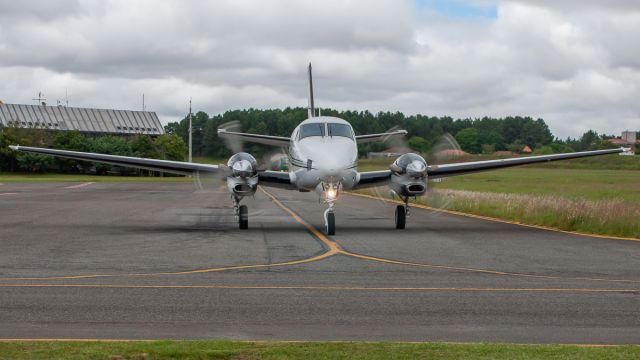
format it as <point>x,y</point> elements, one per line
<point>313,129</point>
<point>340,130</point>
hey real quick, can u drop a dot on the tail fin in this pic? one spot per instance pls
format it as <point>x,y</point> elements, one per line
<point>311,108</point>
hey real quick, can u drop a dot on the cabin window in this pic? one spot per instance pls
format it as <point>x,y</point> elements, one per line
<point>313,129</point>
<point>340,130</point>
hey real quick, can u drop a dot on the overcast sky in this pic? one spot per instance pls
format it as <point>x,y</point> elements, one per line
<point>576,64</point>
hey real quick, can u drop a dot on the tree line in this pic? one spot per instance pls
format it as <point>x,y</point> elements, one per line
<point>483,135</point>
<point>167,147</point>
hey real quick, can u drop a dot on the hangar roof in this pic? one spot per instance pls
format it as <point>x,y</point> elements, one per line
<point>86,120</point>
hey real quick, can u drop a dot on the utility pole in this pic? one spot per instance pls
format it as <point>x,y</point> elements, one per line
<point>190,131</point>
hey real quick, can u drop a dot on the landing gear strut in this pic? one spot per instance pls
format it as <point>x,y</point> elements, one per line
<point>402,211</point>
<point>242,212</point>
<point>329,195</point>
<point>243,217</point>
<point>330,221</point>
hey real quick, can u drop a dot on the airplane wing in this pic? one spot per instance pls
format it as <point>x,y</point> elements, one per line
<point>445,170</point>
<point>266,178</point>
<point>361,139</point>
<point>375,178</point>
<point>277,179</point>
<point>174,167</point>
<point>255,138</point>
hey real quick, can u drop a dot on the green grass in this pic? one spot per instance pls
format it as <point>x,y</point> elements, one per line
<point>303,350</point>
<point>594,200</point>
<point>571,184</point>
<point>607,162</point>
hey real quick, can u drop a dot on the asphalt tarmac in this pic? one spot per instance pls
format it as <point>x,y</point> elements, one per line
<point>163,260</point>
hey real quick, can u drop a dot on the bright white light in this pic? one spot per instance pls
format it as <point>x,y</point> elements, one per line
<point>331,193</point>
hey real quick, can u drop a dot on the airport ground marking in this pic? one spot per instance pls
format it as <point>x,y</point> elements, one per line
<point>98,340</point>
<point>7,194</point>
<point>488,218</point>
<point>340,250</point>
<point>483,271</point>
<point>168,273</point>
<point>326,288</point>
<point>79,186</point>
<point>333,248</point>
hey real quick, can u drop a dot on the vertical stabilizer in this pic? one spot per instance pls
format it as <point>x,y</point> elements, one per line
<point>311,109</point>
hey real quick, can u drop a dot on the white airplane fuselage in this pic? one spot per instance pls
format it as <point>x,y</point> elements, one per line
<point>320,161</point>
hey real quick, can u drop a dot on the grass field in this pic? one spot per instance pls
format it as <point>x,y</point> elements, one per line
<point>591,200</point>
<point>19,177</point>
<point>303,350</point>
<point>572,184</point>
<point>607,162</point>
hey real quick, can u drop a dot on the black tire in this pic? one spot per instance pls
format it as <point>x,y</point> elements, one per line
<point>331,224</point>
<point>243,218</point>
<point>401,217</point>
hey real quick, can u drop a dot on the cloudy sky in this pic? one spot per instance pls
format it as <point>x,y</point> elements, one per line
<point>575,63</point>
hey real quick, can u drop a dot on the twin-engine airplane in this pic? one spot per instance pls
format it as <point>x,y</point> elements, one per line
<point>323,156</point>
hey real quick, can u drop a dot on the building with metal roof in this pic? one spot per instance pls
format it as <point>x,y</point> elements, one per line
<point>85,120</point>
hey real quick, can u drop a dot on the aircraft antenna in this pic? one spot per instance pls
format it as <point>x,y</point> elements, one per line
<point>40,98</point>
<point>312,109</point>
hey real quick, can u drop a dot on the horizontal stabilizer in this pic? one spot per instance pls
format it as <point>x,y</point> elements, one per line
<point>361,139</point>
<point>255,138</point>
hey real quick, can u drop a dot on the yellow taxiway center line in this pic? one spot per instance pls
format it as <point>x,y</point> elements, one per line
<point>540,227</point>
<point>26,340</point>
<point>333,247</point>
<point>332,250</point>
<point>485,271</point>
<point>326,287</point>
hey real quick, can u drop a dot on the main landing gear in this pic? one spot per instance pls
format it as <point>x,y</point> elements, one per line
<point>242,212</point>
<point>402,211</point>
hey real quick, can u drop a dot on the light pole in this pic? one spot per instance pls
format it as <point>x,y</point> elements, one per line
<point>190,135</point>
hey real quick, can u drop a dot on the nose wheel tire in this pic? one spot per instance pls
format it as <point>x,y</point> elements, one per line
<point>331,223</point>
<point>243,217</point>
<point>401,217</point>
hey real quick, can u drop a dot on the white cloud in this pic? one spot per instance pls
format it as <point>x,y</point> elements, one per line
<point>574,63</point>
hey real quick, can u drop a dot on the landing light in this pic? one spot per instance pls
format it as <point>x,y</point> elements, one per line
<point>332,193</point>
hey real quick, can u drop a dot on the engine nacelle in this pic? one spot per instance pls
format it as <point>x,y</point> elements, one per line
<point>243,179</point>
<point>409,175</point>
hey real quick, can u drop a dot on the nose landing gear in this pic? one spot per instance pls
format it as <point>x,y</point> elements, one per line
<point>330,220</point>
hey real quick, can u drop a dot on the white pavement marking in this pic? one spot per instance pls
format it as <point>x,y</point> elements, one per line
<point>79,185</point>
<point>1,194</point>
